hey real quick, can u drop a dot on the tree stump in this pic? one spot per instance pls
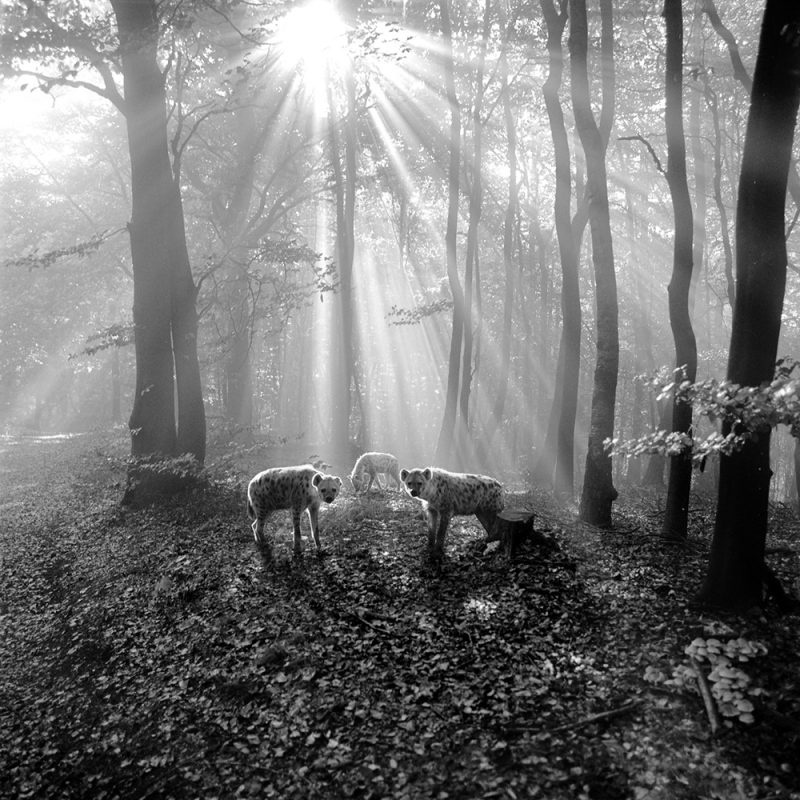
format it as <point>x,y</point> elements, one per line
<point>512,526</point>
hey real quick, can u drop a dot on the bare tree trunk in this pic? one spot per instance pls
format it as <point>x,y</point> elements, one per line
<point>560,467</point>
<point>509,224</point>
<point>642,338</point>
<point>736,566</point>
<point>345,180</point>
<point>445,447</point>
<point>165,318</point>
<point>743,76</point>
<point>238,379</point>
<point>116,387</point>
<point>598,487</point>
<point>471,273</point>
<point>676,513</point>
<point>711,102</point>
<point>700,165</point>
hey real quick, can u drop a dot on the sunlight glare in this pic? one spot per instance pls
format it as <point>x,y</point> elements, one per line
<point>312,38</point>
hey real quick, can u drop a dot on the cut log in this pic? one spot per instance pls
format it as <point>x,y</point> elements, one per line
<point>512,526</point>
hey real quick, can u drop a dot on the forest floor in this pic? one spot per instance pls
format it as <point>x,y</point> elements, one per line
<point>153,653</point>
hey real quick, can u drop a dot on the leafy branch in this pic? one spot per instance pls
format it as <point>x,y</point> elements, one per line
<point>744,411</point>
<point>411,316</point>
<point>35,260</point>
<point>117,335</point>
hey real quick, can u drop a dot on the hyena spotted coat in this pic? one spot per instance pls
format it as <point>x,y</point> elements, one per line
<point>369,465</point>
<point>301,488</point>
<point>447,494</point>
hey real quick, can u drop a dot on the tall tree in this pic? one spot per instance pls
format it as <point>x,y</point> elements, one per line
<point>168,415</point>
<point>676,512</point>
<point>344,158</point>
<point>736,565</point>
<point>598,488</point>
<point>471,272</point>
<point>509,227</point>
<point>164,312</point>
<point>559,455</point>
<point>446,445</point>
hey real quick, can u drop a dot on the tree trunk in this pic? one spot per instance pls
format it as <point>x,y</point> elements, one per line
<point>509,223</point>
<point>796,465</point>
<point>116,387</point>
<point>741,74</point>
<point>248,144</point>
<point>189,385</point>
<point>471,273</point>
<point>642,336</point>
<point>164,312</point>
<point>676,513</point>
<point>344,169</point>
<point>598,488</point>
<point>560,463</point>
<point>736,565</point>
<point>445,447</point>
<point>711,102</point>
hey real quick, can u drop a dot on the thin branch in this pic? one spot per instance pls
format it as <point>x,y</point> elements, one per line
<point>602,715</point>
<point>705,693</point>
<point>650,149</point>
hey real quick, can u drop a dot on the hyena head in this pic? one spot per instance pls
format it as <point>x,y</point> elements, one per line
<point>327,485</point>
<point>415,480</point>
<point>359,480</point>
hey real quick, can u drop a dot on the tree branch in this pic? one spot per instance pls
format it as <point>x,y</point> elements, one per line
<point>650,149</point>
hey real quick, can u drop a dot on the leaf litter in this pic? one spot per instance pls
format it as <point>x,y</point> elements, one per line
<point>154,653</point>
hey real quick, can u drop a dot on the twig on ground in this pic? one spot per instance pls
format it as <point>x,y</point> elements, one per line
<point>602,715</point>
<point>369,624</point>
<point>705,693</point>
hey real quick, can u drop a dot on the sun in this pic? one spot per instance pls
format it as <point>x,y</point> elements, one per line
<point>312,39</point>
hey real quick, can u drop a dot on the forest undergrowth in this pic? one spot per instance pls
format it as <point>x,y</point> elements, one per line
<point>153,653</point>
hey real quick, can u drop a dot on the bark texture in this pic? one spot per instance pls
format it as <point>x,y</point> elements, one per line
<point>676,512</point>
<point>598,488</point>
<point>736,566</point>
<point>164,294</point>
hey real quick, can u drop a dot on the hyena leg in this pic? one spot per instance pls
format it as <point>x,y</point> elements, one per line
<point>378,481</point>
<point>433,524</point>
<point>313,518</point>
<point>296,514</point>
<point>441,531</point>
<point>258,526</point>
<point>487,518</point>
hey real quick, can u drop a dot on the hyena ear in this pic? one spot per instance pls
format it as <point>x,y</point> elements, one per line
<point>403,474</point>
<point>316,479</point>
<point>339,482</point>
<point>427,474</point>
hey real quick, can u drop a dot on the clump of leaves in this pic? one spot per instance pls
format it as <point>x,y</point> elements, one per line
<point>412,316</point>
<point>37,260</point>
<point>744,411</point>
<point>153,477</point>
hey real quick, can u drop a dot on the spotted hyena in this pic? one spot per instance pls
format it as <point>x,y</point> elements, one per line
<point>447,494</point>
<point>368,466</point>
<point>298,488</point>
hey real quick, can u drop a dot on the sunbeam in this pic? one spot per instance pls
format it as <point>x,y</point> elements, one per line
<point>312,40</point>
